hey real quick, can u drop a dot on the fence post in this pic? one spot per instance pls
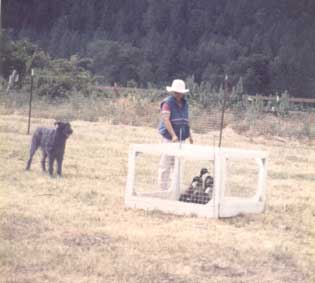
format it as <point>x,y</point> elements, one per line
<point>223,107</point>
<point>30,103</point>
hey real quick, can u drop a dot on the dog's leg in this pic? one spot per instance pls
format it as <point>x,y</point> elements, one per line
<point>29,162</point>
<point>51,159</point>
<point>59,165</point>
<point>33,149</point>
<point>43,161</point>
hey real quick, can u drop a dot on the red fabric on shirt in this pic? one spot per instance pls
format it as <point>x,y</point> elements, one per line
<point>165,108</point>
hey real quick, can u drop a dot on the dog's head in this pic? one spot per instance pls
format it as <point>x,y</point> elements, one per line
<point>64,128</point>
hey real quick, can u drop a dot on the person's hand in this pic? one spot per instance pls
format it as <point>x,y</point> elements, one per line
<point>191,141</point>
<point>174,138</point>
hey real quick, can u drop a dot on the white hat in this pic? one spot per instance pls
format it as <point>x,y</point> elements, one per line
<point>177,86</point>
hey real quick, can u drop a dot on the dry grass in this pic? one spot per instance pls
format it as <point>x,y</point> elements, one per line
<point>76,229</point>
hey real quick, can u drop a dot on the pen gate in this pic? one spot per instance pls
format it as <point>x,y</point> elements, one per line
<point>237,180</point>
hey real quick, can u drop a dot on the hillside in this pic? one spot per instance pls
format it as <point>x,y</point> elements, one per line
<point>270,44</point>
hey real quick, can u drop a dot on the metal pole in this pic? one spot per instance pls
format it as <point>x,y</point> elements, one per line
<point>0,17</point>
<point>223,108</point>
<point>1,70</point>
<point>30,103</point>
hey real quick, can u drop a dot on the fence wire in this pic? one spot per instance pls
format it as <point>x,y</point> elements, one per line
<point>248,123</point>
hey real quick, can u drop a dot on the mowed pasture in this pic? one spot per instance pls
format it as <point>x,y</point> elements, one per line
<point>76,228</point>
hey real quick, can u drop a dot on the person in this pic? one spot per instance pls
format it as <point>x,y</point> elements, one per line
<point>173,127</point>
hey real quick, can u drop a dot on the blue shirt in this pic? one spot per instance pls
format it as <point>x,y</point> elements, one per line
<point>178,117</point>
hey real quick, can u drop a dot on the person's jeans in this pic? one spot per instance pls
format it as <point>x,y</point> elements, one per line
<point>166,168</point>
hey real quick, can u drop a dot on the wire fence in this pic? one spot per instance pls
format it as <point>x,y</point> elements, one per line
<point>247,116</point>
<point>249,122</point>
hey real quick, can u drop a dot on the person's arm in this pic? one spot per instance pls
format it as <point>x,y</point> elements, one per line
<point>166,119</point>
<point>165,116</point>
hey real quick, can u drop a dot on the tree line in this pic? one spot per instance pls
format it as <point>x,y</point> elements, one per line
<point>269,44</point>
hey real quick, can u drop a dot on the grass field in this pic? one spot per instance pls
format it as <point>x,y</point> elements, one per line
<point>76,228</point>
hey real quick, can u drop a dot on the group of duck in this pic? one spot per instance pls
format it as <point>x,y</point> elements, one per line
<point>200,190</point>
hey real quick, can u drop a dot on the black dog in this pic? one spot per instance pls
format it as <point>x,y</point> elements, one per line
<point>53,143</point>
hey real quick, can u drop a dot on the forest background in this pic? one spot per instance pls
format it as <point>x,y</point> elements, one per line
<point>266,46</point>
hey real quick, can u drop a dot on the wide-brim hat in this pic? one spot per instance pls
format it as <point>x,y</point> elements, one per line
<point>177,86</point>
